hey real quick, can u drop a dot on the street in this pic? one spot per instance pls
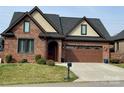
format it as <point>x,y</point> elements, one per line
<point>73,84</point>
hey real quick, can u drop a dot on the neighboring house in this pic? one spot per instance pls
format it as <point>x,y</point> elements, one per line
<point>1,44</point>
<point>54,37</point>
<point>118,41</point>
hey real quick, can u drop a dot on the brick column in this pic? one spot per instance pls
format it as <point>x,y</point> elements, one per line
<point>59,50</point>
<point>105,52</point>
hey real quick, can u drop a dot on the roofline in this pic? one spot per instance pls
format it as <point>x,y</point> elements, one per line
<point>17,21</point>
<point>119,39</point>
<point>89,40</point>
<point>84,18</point>
<point>46,18</point>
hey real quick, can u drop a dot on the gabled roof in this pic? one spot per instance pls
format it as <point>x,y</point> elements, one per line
<point>7,32</point>
<point>64,25</point>
<point>44,16</point>
<point>55,19</point>
<point>80,21</point>
<point>119,36</point>
<point>16,16</point>
<point>99,27</point>
<point>69,23</point>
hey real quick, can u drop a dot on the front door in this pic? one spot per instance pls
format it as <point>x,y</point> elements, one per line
<point>53,50</point>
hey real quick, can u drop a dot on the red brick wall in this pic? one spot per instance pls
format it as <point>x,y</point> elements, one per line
<point>117,56</point>
<point>11,44</point>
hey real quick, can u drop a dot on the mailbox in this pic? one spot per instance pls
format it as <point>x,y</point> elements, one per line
<point>69,64</point>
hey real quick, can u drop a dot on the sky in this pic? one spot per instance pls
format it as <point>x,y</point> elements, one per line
<point>111,16</point>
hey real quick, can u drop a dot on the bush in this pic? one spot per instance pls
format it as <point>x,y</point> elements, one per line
<point>37,57</point>
<point>8,58</point>
<point>115,61</point>
<point>23,61</point>
<point>41,61</point>
<point>50,62</point>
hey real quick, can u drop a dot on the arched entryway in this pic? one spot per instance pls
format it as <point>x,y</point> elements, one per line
<point>53,50</point>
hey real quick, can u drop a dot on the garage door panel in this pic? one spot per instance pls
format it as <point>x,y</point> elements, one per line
<point>84,55</point>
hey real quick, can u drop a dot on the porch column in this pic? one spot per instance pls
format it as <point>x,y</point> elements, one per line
<point>59,50</point>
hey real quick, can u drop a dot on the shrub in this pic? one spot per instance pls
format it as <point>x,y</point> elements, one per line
<point>50,62</point>
<point>115,61</point>
<point>37,57</point>
<point>8,58</point>
<point>23,61</point>
<point>41,61</point>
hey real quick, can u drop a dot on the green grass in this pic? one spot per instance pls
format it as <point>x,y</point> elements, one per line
<point>32,73</point>
<point>119,65</point>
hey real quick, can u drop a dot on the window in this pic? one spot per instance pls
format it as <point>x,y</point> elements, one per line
<point>117,46</point>
<point>26,26</point>
<point>25,45</point>
<point>83,29</point>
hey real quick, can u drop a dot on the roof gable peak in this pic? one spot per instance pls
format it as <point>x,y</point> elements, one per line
<point>26,14</point>
<point>44,16</point>
<point>86,19</point>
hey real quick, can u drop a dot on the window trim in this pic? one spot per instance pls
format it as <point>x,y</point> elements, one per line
<point>26,52</point>
<point>24,26</point>
<point>82,29</point>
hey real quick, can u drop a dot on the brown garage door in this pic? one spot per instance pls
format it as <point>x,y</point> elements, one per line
<point>83,53</point>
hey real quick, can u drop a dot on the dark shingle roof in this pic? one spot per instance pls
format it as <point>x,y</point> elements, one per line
<point>100,27</point>
<point>119,36</point>
<point>65,24</point>
<point>55,20</point>
<point>16,16</point>
<point>68,23</point>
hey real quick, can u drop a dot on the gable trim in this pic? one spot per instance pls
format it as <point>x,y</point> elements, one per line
<point>46,18</point>
<point>17,21</point>
<point>84,18</point>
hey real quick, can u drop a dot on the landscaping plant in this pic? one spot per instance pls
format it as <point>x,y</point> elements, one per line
<point>37,57</point>
<point>23,61</point>
<point>50,62</point>
<point>41,61</point>
<point>8,58</point>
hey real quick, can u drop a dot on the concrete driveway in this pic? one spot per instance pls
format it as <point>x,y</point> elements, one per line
<point>97,72</point>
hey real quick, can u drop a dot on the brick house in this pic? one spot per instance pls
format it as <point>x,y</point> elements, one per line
<point>118,46</point>
<point>54,37</point>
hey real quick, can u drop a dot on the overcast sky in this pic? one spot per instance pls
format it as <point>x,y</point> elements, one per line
<point>111,17</point>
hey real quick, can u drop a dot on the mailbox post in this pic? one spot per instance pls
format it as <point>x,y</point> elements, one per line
<point>69,64</point>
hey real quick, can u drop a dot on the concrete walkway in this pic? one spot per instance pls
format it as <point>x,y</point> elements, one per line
<point>97,72</point>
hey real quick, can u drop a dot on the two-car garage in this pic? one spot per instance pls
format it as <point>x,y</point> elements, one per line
<point>78,53</point>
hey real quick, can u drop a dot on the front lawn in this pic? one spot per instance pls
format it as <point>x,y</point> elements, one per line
<point>119,65</point>
<point>25,73</point>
